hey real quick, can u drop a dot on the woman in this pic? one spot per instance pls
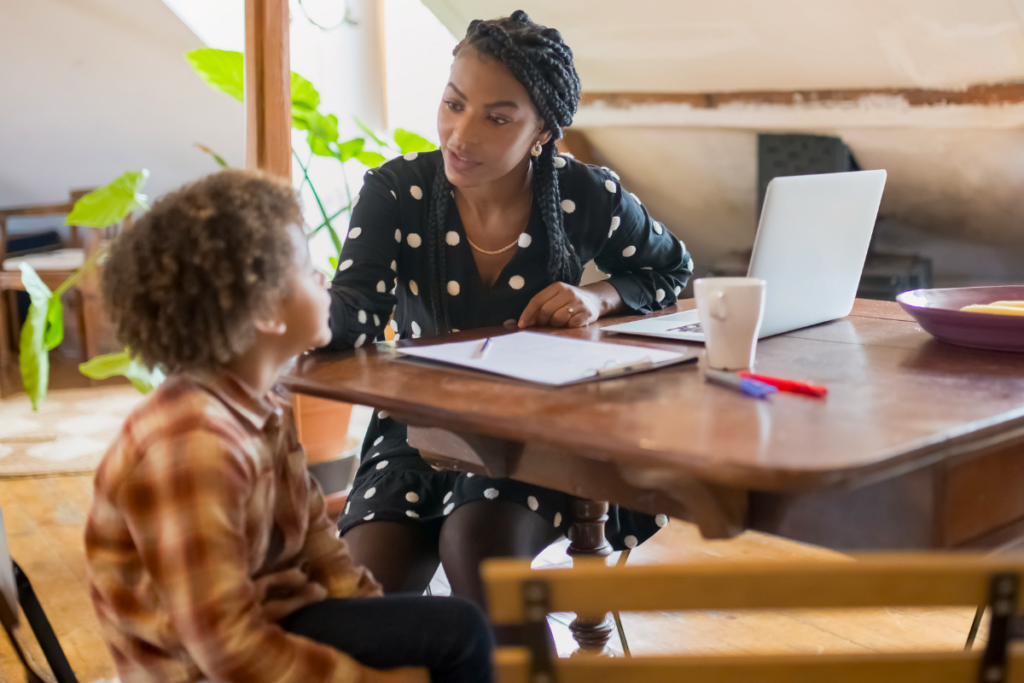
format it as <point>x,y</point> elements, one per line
<point>492,229</point>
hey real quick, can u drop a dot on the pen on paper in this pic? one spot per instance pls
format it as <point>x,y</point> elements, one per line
<point>481,350</point>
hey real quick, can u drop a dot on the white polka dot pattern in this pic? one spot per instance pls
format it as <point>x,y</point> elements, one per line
<point>630,541</point>
<point>414,240</point>
<point>610,186</point>
<point>412,497</point>
<point>381,287</point>
<point>370,492</point>
<point>452,238</point>
<point>678,290</point>
<point>658,228</point>
<point>661,520</point>
<point>525,240</point>
<point>616,221</point>
<point>393,194</point>
<point>659,295</point>
<point>398,235</point>
<point>345,265</point>
<point>491,494</point>
<point>383,415</point>
<point>362,317</point>
<point>354,233</point>
<point>447,497</point>
<point>412,513</point>
<point>416,331</point>
<point>532,503</point>
<point>414,288</point>
<point>416,192</point>
<point>376,320</point>
<point>629,251</point>
<point>368,517</point>
<point>568,205</point>
<point>558,519</point>
<point>448,508</point>
<point>410,156</point>
<point>394,325</point>
<point>382,464</point>
<point>453,288</point>
<point>516,282</point>
<point>379,439</point>
<point>394,266</point>
<point>360,340</point>
<point>559,162</point>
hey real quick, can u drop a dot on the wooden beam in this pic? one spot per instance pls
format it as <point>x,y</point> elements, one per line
<point>268,119</point>
<point>984,95</point>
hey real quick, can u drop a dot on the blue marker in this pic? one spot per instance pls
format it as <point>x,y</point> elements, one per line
<point>750,387</point>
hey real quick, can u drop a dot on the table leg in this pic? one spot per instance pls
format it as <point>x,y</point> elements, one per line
<point>586,536</point>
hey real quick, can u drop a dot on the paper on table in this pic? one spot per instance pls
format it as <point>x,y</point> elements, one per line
<point>547,359</point>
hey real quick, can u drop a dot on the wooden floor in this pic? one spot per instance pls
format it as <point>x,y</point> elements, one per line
<point>45,518</point>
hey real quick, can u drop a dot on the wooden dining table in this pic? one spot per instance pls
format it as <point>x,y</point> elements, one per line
<point>918,444</point>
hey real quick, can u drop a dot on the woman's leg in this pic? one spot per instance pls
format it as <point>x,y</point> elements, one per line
<point>448,636</point>
<point>483,529</point>
<point>402,557</point>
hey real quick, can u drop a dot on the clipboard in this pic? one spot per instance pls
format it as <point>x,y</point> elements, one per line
<point>548,359</point>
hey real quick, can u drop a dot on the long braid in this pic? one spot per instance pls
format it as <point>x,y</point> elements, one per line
<point>539,59</point>
<point>438,218</point>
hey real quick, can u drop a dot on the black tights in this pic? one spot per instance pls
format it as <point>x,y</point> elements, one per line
<point>404,557</point>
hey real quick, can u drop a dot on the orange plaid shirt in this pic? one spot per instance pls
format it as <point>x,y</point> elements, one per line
<point>205,490</point>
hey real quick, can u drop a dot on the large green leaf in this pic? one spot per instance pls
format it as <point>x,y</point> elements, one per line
<point>53,334</point>
<point>350,148</point>
<point>411,142</point>
<point>322,131</point>
<point>33,354</point>
<point>110,203</point>
<point>222,69</point>
<point>141,377</point>
<point>305,100</point>
<point>371,159</point>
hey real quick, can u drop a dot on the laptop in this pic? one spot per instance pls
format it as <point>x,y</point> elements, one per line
<point>810,249</point>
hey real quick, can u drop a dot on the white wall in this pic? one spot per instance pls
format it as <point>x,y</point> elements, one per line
<point>92,88</point>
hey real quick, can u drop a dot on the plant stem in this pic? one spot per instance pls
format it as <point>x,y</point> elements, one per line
<point>89,264</point>
<point>305,174</point>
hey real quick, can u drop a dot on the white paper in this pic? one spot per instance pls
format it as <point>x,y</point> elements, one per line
<point>543,358</point>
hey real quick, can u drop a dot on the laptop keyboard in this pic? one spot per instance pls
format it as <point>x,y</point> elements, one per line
<point>692,328</point>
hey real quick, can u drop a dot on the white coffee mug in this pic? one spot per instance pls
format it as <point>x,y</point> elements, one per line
<point>730,310</point>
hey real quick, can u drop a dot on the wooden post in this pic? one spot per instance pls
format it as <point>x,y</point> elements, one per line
<point>268,108</point>
<point>322,425</point>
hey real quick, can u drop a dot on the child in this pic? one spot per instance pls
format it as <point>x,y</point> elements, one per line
<point>210,555</point>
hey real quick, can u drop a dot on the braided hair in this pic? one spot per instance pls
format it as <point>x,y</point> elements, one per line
<point>539,59</point>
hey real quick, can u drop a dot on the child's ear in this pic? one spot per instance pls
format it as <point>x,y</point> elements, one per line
<point>271,324</point>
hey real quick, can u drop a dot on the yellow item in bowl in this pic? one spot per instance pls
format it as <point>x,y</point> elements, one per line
<point>1011,304</point>
<point>993,309</point>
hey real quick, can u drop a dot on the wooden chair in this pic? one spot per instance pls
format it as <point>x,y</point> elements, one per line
<point>53,269</point>
<point>517,595</point>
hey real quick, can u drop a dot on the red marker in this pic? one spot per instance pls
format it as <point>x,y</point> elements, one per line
<point>789,385</point>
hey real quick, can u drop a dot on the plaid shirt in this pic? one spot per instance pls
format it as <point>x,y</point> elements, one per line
<point>205,490</point>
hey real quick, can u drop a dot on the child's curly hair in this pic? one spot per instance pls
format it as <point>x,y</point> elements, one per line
<point>184,285</point>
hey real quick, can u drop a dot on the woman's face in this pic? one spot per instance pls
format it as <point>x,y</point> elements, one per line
<point>487,123</point>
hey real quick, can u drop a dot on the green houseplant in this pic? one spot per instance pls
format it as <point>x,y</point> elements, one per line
<point>223,70</point>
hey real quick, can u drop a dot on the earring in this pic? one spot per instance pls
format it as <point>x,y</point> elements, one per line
<point>537,149</point>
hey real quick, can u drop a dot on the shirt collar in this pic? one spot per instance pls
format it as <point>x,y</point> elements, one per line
<point>239,397</point>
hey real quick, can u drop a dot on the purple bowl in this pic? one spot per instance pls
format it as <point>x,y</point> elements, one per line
<point>938,312</point>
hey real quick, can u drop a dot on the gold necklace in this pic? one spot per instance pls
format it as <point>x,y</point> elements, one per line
<point>492,253</point>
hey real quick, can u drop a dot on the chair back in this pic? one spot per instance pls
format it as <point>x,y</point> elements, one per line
<point>518,595</point>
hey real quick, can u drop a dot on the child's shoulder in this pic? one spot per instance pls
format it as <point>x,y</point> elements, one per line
<point>179,408</point>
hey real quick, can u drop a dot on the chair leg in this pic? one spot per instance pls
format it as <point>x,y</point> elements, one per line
<point>615,614</point>
<point>974,627</point>
<point>6,333</point>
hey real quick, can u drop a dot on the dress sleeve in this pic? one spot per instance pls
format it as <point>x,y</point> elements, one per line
<point>647,264</point>
<point>185,506</point>
<point>362,292</point>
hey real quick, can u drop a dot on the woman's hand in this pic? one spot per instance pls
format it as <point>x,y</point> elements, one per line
<point>282,593</point>
<point>562,305</point>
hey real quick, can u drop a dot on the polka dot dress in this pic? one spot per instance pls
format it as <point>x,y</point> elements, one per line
<point>382,280</point>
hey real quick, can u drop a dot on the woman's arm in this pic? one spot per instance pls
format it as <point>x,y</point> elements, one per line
<point>647,265</point>
<point>362,292</point>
